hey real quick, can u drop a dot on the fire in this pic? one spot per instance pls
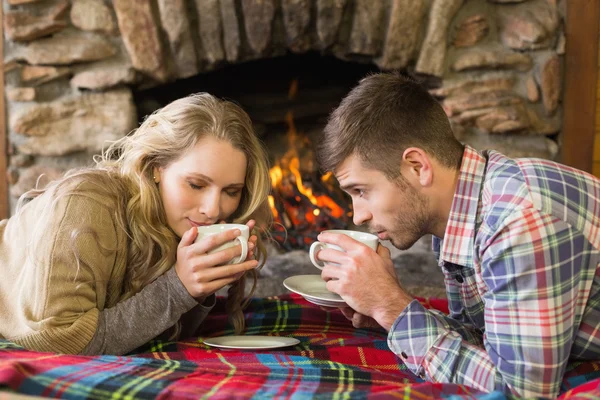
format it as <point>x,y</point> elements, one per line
<point>298,205</point>
<point>284,181</point>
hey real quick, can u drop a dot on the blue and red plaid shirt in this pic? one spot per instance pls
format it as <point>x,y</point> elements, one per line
<point>520,256</point>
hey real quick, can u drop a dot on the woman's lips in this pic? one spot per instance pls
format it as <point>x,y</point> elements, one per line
<point>196,224</point>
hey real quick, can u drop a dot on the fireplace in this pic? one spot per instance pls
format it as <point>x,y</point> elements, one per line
<point>81,72</point>
<point>74,70</point>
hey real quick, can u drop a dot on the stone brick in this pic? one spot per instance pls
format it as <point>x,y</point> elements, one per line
<point>139,31</point>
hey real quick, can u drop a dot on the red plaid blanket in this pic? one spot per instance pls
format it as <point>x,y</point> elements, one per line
<point>332,360</point>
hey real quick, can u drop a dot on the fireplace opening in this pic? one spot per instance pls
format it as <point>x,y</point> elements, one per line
<point>288,99</point>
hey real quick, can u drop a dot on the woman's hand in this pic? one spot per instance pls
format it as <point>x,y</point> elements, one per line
<point>203,274</point>
<point>251,241</point>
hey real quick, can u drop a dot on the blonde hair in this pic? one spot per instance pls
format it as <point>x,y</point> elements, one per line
<point>125,170</point>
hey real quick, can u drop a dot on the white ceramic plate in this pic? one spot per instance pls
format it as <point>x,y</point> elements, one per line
<point>324,303</point>
<point>250,342</point>
<point>312,288</point>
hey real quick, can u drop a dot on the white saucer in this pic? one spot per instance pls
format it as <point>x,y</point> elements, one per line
<point>324,303</point>
<point>312,288</point>
<point>250,342</point>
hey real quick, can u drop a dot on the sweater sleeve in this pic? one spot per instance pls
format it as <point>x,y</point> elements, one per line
<point>137,320</point>
<point>192,319</point>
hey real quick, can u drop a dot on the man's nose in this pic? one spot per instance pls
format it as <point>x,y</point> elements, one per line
<point>361,215</point>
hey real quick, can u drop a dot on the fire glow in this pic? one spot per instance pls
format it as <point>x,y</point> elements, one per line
<point>303,207</point>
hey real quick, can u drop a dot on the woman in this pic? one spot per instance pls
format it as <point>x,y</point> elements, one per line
<point>105,259</point>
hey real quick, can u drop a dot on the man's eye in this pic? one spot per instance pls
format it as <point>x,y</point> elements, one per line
<point>359,192</point>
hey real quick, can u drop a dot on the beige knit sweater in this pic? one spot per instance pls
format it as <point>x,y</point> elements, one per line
<point>50,303</point>
<point>47,301</point>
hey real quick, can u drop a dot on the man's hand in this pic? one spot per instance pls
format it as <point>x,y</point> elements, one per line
<point>359,320</point>
<point>365,279</point>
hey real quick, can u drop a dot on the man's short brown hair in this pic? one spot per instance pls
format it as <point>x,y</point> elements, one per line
<point>380,118</point>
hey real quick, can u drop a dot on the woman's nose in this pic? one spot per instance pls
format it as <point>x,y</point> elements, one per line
<point>211,205</point>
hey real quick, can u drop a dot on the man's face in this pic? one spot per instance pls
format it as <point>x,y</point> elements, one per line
<point>203,186</point>
<point>393,210</point>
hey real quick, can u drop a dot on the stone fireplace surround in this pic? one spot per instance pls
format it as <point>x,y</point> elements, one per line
<point>71,68</point>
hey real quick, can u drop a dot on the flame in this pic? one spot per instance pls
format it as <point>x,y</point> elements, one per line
<point>295,170</point>
<point>326,177</point>
<point>272,205</point>
<point>286,178</point>
<point>276,176</point>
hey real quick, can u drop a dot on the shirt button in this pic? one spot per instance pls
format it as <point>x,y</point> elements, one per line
<point>403,355</point>
<point>459,278</point>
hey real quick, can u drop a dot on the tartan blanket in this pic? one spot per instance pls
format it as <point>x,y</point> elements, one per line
<point>333,360</point>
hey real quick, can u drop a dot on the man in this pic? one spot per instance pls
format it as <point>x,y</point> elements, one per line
<point>517,240</point>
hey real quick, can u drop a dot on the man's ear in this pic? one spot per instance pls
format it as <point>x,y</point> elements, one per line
<point>418,166</point>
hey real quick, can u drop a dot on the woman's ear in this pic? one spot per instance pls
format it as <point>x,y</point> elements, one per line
<point>156,174</point>
<point>419,165</point>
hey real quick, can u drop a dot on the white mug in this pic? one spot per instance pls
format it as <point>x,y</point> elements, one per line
<point>208,230</point>
<point>368,239</point>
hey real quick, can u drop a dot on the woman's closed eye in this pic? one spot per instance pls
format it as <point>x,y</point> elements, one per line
<point>233,193</point>
<point>230,192</point>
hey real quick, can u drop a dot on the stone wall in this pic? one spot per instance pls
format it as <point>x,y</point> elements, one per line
<point>71,66</point>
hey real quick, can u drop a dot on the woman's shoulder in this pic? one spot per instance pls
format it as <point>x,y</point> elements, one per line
<point>93,185</point>
<point>83,203</point>
<point>89,190</point>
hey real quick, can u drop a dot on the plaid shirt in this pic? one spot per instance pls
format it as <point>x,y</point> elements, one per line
<point>521,257</point>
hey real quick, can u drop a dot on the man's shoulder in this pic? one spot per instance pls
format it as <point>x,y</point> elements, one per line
<point>500,167</point>
<point>551,188</point>
<point>536,175</point>
<point>504,179</point>
<point>507,190</point>
<point>555,186</point>
<point>533,171</point>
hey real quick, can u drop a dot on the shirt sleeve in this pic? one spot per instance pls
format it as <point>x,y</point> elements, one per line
<point>531,267</point>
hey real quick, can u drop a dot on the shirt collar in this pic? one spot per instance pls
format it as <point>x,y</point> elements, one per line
<point>459,237</point>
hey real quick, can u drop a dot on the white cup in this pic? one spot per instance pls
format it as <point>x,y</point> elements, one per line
<point>208,230</point>
<point>368,239</point>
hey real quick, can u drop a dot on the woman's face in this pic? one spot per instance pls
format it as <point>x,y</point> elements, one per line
<point>203,186</point>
